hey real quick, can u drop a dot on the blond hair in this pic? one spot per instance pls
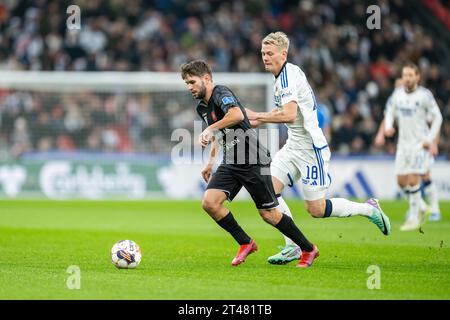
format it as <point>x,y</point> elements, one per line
<point>278,39</point>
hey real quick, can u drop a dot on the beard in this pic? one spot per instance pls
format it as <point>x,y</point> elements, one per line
<point>201,93</point>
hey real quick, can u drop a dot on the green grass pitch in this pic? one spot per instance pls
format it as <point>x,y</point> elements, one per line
<point>187,256</point>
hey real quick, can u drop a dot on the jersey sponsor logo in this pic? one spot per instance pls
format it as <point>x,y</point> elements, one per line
<point>286,94</point>
<point>406,112</point>
<point>228,100</point>
<point>277,101</point>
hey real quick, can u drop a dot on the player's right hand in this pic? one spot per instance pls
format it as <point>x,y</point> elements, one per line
<point>206,172</point>
<point>205,137</point>
<point>431,147</point>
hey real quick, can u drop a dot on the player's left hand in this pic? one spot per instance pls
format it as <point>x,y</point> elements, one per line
<point>255,123</point>
<point>205,137</point>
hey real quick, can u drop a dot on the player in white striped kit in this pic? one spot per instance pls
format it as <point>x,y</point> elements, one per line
<point>413,106</point>
<point>428,186</point>
<point>306,154</point>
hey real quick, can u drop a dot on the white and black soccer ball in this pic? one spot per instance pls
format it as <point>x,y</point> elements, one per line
<point>126,254</point>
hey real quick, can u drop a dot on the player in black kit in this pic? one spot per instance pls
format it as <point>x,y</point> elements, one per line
<point>246,161</point>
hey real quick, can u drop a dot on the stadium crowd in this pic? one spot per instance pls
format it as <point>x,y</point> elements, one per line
<point>351,68</point>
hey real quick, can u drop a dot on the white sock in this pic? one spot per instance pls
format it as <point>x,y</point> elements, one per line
<point>343,208</point>
<point>432,195</point>
<point>283,208</point>
<point>406,195</point>
<point>414,201</point>
<point>423,205</point>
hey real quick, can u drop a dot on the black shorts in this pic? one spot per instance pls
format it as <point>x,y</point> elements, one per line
<point>255,178</point>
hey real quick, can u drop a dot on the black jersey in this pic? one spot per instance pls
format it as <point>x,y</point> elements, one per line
<point>240,142</point>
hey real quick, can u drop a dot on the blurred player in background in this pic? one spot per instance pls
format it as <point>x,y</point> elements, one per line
<point>413,107</point>
<point>428,187</point>
<point>221,110</point>
<point>306,154</point>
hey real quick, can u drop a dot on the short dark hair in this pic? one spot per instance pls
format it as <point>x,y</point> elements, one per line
<point>411,65</point>
<point>196,68</point>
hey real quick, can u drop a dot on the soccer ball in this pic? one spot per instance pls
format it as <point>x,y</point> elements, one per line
<point>126,254</point>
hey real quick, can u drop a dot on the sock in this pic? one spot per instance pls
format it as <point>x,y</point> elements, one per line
<point>432,196</point>
<point>423,205</point>
<point>289,229</point>
<point>342,208</point>
<point>283,208</point>
<point>406,194</point>
<point>414,201</point>
<point>230,224</point>
<point>328,208</point>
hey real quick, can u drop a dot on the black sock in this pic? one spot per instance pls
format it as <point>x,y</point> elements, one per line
<point>290,230</point>
<point>230,224</point>
<point>328,208</point>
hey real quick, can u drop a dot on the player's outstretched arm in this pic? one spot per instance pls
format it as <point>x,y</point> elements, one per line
<point>287,114</point>
<point>432,140</point>
<point>251,115</point>
<point>255,123</point>
<point>231,118</point>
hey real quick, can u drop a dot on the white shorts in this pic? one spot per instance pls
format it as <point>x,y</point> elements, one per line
<point>311,166</point>
<point>413,161</point>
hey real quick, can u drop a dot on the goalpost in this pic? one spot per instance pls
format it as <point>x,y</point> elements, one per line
<point>100,134</point>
